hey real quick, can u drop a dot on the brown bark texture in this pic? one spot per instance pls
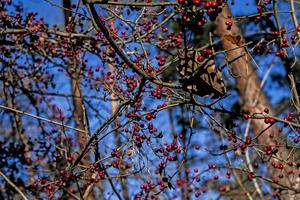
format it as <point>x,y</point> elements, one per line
<point>78,104</point>
<point>79,111</point>
<point>254,100</point>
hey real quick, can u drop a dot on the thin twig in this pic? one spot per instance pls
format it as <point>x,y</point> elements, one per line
<point>249,165</point>
<point>294,17</point>
<point>295,95</point>
<point>136,4</point>
<point>41,118</point>
<point>13,186</point>
<point>99,26</point>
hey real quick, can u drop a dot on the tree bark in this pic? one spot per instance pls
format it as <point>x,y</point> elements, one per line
<point>252,97</point>
<point>79,110</point>
<point>78,104</point>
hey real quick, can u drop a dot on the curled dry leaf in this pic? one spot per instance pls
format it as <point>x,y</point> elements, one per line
<point>202,78</point>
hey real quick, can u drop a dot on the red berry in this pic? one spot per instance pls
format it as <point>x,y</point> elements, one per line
<point>258,18</point>
<point>148,117</point>
<point>200,58</point>
<point>196,2</point>
<point>62,172</point>
<point>246,116</point>
<point>248,140</point>
<point>266,110</point>
<point>259,8</point>
<point>181,2</point>
<point>243,147</point>
<point>207,5</point>
<point>269,120</point>
<point>69,158</point>
<point>228,23</point>
<point>214,5</point>
<point>72,190</point>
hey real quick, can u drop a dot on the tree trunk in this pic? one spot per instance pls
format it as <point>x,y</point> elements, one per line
<point>79,110</point>
<point>252,97</point>
<point>16,123</point>
<point>78,104</point>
